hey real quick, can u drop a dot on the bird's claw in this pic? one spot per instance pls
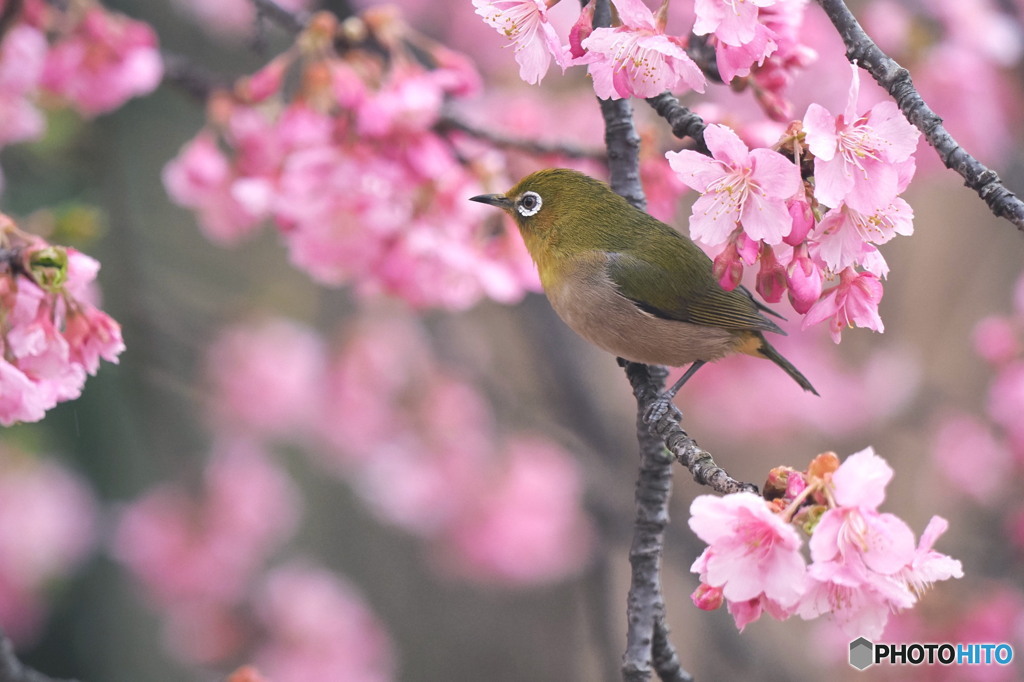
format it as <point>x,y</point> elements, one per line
<point>658,409</point>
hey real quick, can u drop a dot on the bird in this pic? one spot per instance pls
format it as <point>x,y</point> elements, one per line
<point>631,284</point>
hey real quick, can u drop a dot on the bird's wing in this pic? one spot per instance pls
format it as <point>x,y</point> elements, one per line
<point>655,290</point>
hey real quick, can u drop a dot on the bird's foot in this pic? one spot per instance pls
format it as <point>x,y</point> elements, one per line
<point>661,407</point>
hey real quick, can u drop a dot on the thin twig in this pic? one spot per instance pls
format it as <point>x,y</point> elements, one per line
<point>293,22</point>
<point>896,80</point>
<point>450,121</point>
<point>198,81</point>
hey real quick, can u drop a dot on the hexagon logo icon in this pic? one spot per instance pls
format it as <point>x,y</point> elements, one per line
<point>862,653</point>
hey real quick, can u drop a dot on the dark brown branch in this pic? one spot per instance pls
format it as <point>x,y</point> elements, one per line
<point>683,122</point>
<point>896,80</point>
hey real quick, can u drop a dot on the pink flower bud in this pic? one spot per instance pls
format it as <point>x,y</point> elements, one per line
<point>707,598</point>
<point>771,278</point>
<point>579,32</point>
<point>803,222</point>
<point>267,81</point>
<point>804,280</point>
<point>728,268</point>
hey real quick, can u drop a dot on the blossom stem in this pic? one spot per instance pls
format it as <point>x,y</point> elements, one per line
<point>860,49</point>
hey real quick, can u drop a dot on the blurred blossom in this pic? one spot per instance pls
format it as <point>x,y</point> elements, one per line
<point>103,61</point>
<point>47,527</point>
<point>1006,400</point>
<point>991,463</point>
<point>22,55</point>
<point>231,18</point>
<point>319,628</point>
<point>266,377</point>
<point>853,398</point>
<point>186,549</point>
<point>527,526</point>
<point>353,171</point>
<point>996,339</point>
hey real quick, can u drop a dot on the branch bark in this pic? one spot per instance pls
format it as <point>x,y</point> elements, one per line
<point>862,51</point>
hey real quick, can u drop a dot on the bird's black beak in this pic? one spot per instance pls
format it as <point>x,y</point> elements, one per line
<point>499,200</point>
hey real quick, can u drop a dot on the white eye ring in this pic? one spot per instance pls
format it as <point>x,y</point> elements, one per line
<point>529,204</point>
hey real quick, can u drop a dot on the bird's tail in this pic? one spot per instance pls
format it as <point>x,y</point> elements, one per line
<point>768,351</point>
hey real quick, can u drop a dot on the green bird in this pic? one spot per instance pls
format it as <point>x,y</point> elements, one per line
<point>628,282</point>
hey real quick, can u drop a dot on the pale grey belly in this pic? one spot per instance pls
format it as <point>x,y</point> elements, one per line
<point>615,324</point>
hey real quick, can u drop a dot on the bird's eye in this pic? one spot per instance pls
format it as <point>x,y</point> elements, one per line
<point>529,204</point>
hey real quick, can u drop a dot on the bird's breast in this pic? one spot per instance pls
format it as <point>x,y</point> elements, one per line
<point>589,302</point>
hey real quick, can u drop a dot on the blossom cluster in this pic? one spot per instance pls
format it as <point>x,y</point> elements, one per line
<point>76,54</point>
<point>202,561</point>
<point>755,43</point>
<point>47,528</point>
<point>864,563</point>
<point>52,334</point>
<point>352,168</point>
<point>415,442</point>
<point>756,207</point>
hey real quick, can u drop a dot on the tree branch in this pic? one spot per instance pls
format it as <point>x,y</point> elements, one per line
<point>683,122</point>
<point>12,670</point>
<point>293,22</point>
<point>896,80</point>
<point>450,121</point>
<point>647,386</point>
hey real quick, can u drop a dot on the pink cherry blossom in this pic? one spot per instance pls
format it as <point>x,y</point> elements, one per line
<point>739,188</point>
<point>864,563</point>
<point>1006,400</point>
<point>104,61</point>
<point>993,462</point>
<point>929,566</point>
<point>201,178</point>
<point>526,24</point>
<point>858,158</point>
<point>47,527</point>
<point>843,234</point>
<point>751,552</point>
<point>22,55</point>
<point>187,549</point>
<point>734,23</point>
<point>528,527</point>
<point>854,301</point>
<point>266,376</point>
<point>637,58</point>
<point>996,339</point>
<point>51,334</point>
<point>319,627</point>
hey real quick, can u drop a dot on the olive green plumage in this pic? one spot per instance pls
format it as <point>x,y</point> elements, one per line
<point>628,282</point>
